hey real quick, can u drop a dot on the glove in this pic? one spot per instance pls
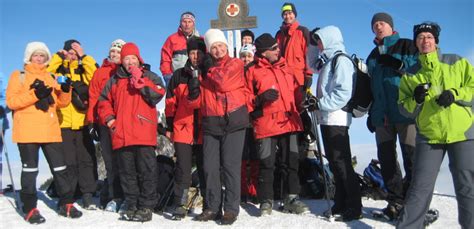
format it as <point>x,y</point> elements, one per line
<point>193,88</point>
<point>269,95</point>
<point>420,93</point>
<point>93,132</point>
<point>43,92</point>
<point>135,71</point>
<point>206,64</point>
<point>42,104</point>
<point>445,99</point>
<point>311,103</point>
<point>66,87</point>
<point>136,80</point>
<point>369,124</point>
<point>161,129</point>
<point>390,61</point>
<point>170,124</point>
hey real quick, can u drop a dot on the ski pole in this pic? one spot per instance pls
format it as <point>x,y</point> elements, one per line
<point>314,122</point>
<point>15,195</point>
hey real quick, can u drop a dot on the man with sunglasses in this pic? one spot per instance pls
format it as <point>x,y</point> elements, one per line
<point>276,122</point>
<point>391,56</point>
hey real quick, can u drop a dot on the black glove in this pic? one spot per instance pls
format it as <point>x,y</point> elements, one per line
<point>161,129</point>
<point>311,103</point>
<point>42,104</point>
<point>269,95</point>
<point>94,132</point>
<point>445,99</point>
<point>390,61</point>
<point>170,124</point>
<point>369,124</point>
<point>66,87</point>
<point>43,92</point>
<point>420,93</point>
<point>193,88</point>
<point>206,63</point>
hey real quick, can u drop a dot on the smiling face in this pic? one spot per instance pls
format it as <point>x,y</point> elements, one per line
<point>114,55</point>
<point>272,54</point>
<point>130,60</point>
<point>382,29</point>
<point>38,58</point>
<point>218,50</point>
<point>289,17</point>
<point>425,42</point>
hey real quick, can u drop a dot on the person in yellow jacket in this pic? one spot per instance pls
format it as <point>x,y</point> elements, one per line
<point>33,95</point>
<point>78,146</point>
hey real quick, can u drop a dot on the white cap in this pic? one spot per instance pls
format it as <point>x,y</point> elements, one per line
<point>248,48</point>
<point>33,47</point>
<point>117,45</point>
<point>213,36</point>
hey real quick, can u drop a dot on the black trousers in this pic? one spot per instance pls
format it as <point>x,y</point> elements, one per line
<point>182,175</point>
<point>79,154</point>
<point>223,155</point>
<point>138,175</point>
<point>61,174</point>
<point>286,160</point>
<point>113,189</point>
<point>338,152</point>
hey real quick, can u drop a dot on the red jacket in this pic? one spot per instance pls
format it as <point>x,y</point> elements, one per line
<point>224,97</point>
<point>173,53</point>
<point>134,110</point>
<point>98,81</point>
<point>280,116</point>
<point>183,120</point>
<point>293,40</point>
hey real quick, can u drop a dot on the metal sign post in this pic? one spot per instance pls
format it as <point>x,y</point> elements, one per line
<point>233,15</point>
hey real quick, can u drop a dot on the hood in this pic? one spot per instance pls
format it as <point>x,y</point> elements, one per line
<point>332,40</point>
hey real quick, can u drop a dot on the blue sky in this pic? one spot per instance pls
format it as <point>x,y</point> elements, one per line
<point>148,23</point>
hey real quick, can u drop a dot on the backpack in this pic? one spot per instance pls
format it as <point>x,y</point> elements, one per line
<point>372,184</point>
<point>311,178</point>
<point>361,99</point>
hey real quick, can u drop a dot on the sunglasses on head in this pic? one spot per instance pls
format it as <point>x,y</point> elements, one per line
<point>274,47</point>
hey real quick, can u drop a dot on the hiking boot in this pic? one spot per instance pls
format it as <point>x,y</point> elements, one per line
<point>228,218</point>
<point>69,211</point>
<point>179,213</point>
<point>34,217</point>
<point>88,202</point>
<point>143,215</point>
<point>266,208</point>
<point>293,205</point>
<point>392,211</point>
<point>349,215</point>
<point>206,215</point>
<point>127,212</point>
<point>112,206</point>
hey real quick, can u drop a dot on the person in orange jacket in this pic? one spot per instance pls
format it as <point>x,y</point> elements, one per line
<point>112,195</point>
<point>34,96</point>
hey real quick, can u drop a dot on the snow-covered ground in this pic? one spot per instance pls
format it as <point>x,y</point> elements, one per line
<point>247,219</point>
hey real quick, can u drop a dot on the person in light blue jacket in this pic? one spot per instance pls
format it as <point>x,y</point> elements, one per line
<point>333,92</point>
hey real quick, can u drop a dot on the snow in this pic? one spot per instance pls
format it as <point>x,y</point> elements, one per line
<point>248,217</point>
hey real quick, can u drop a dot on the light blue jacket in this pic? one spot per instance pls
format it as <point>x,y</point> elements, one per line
<point>334,89</point>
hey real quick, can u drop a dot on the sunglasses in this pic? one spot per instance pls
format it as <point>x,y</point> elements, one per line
<point>274,47</point>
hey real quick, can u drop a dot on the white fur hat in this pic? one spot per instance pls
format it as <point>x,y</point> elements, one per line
<point>117,45</point>
<point>33,47</point>
<point>212,36</point>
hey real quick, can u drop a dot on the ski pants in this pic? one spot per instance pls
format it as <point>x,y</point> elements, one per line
<point>286,160</point>
<point>61,173</point>
<point>386,138</point>
<point>138,175</point>
<point>428,160</point>
<point>113,189</point>
<point>182,175</point>
<point>79,154</point>
<point>338,152</point>
<point>223,154</point>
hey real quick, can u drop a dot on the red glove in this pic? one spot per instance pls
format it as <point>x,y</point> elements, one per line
<point>136,80</point>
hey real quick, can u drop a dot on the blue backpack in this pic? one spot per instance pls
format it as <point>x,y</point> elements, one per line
<point>372,185</point>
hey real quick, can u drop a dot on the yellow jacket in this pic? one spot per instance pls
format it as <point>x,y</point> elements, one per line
<point>70,117</point>
<point>31,125</point>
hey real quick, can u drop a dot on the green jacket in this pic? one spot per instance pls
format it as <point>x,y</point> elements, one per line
<point>436,124</point>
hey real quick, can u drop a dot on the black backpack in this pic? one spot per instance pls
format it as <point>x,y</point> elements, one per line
<point>361,99</point>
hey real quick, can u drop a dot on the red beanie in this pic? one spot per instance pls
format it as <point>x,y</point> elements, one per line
<point>130,49</point>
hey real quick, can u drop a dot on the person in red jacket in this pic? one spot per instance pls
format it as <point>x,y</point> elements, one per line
<point>222,95</point>
<point>127,106</point>
<point>184,123</point>
<point>173,52</point>
<point>293,40</point>
<point>112,194</point>
<point>276,122</point>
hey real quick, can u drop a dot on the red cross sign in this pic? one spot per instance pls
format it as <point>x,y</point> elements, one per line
<point>232,10</point>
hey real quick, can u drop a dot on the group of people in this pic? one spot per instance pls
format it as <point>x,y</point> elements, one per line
<point>237,115</point>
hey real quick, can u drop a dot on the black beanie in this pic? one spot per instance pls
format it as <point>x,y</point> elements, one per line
<point>381,17</point>
<point>429,27</point>
<point>264,42</point>
<point>68,44</point>
<point>194,43</point>
<point>288,6</point>
<point>248,33</point>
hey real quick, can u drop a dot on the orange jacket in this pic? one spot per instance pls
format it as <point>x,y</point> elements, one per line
<point>31,125</point>
<point>280,116</point>
<point>293,40</point>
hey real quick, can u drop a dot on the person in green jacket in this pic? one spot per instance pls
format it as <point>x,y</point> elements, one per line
<point>439,96</point>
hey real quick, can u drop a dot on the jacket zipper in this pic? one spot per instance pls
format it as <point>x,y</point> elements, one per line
<point>141,117</point>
